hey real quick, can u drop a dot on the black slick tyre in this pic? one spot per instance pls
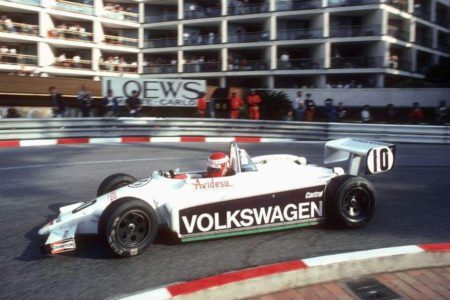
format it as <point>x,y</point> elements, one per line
<point>350,201</point>
<point>113,182</point>
<point>128,226</point>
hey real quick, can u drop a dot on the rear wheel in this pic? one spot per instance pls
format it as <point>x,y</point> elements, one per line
<point>113,182</point>
<point>128,227</point>
<point>350,201</point>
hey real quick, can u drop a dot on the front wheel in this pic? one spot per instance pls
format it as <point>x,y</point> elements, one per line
<point>350,201</point>
<point>113,182</point>
<point>128,227</point>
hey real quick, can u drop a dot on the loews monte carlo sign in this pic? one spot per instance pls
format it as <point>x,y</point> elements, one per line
<point>156,92</point>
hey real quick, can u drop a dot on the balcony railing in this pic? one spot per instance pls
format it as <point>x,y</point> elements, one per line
<point>285,5</point>
<point>249,37</point>
<point>120,15</point>
<point>161,43</point>
<point>242,9</point>
<point>73,7</point>
<point>203,40</point>
<point>162,17</point>
<point>354,31</point>
<point>118,67</point>
<point>334,3</point>
<point>161,69</point>
<point>73,64</point>
<point>398,4</point>
<point>424,41</point>
<point>202,12</point>
<point>202,67</point>
<point>402,65</point>
<point>299,34</point>
<point>120,41</point>
<point>239,65</point>
<point>71,35</point>
<point>18,59</point>
<point>442,20</point>
<point>300,64</point>
<point>443,47</point>
<point>356,62</point>
<point>19,28</point>
<point>398,33</point>
<point>29,2</point>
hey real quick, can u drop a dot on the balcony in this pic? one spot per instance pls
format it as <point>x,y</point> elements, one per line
<point>29,2</point>
<point>442,20</point>
<point>243,9</point>
<point>18,59</point>
<point>70,35</point>
<point>355,31</point>
<point>81,64</point>
<point>239,65</point>
<point>72,7</point>
<point>120,41</point>
<point>160,69</point>
<point>285,5</point>
<point>207,39</point>
<point>162,17</point>
<point>422,13</point>
<point>202,12</point>
<point>402,65</point>
<point>356,62</point>
<point>336,3</point>
<point>120,15</point>
<point>249,37</point>
<point>299,34</point>
<point>161,43</point>
<point>300,64</point>
<point>398,33</point>
<point>202,67</point>
<point>20,28</point>
<point>398,4</point>
<point>424,41</point>
<point>118,67</point>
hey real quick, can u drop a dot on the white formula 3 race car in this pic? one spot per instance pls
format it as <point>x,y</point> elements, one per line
<point>264,193</point>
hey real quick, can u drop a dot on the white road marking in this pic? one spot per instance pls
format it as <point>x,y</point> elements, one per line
<point>98,162</point>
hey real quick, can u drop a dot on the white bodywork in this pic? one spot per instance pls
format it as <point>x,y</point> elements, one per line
<point>268,177</point>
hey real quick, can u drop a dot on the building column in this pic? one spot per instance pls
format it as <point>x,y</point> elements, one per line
<point>180,9</point>
<point>224,7</point>
<point>45,24</point>
<point>270,82</point>
<point>326,24</point>
<point>435,37</point>
<point>412,32</point>
<point>99,35</point>
<point>379,80</point>
<point>223,82</point>
<point>273,28</point>
<point>141,12</point>
<point>140,63</point>
<point>384,22</point>
<point>224,31</point>
<point>320,81</point>
<point>273,57</point>
<point>327,55</point>
<point>98,8</point>
<point>180,32</point>
<point>224,56</point>
<point>180,61</point>
<point>272,5</point>
<point>96,54</point>
<point>46,57</point>
<point>414,60</point>
<point>433,6</point>
<point>141,37</point>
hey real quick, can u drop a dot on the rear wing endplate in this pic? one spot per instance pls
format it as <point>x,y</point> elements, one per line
<point>377,157</point>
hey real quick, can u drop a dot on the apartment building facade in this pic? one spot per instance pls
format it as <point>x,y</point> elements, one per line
<point>251,43</point>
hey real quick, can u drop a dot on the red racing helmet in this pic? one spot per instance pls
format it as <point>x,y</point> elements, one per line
<point>218,164</point>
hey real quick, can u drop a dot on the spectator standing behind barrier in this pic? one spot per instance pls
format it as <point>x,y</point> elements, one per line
<point>253,101</point>
<point>84,100</point>
<point>442,113</point>
<point>202,105</point>
<point>109,106</point>
<point>415,115</point>
<point>58,104</point>
<point>235,105</point>
<point>330,110</point>
<point>133,104</point>
<point>310,108</point>
<point>365,114</point>
<point>298,107</point>
<point>391,114</point>
<point>341,112</point>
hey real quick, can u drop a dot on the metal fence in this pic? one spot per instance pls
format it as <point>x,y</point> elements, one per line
<point>15,129</point>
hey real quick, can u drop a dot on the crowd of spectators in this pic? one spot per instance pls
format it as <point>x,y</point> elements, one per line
<point>198,39</point>
<point>119,11</point>
<point>74,62</point>
<point>69,31</point>
<point>239,63</point>
<point>201,64</point>
<point>117,64</point>
<point>160,65</point>
<point>240,7</point>
<point>8,25</point>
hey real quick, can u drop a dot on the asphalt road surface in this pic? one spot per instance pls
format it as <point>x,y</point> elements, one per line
<point>413,207</point>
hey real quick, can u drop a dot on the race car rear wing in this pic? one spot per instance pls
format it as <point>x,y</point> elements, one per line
<point>377,157</point>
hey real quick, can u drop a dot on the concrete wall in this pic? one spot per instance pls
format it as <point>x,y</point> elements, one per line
<point>376,97</point>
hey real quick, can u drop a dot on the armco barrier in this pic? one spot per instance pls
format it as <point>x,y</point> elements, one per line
<point>26,129</point>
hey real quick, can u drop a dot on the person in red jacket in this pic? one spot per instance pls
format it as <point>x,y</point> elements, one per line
<point>253,101</point>
<point>202,104</point>
<point>235,104</point>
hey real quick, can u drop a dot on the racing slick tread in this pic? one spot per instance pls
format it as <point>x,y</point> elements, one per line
<point>113,182</point>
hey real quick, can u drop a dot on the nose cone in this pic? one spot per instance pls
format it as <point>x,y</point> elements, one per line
<point>44,230</point>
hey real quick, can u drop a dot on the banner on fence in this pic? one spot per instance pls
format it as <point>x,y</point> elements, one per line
<point>156,92</point>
